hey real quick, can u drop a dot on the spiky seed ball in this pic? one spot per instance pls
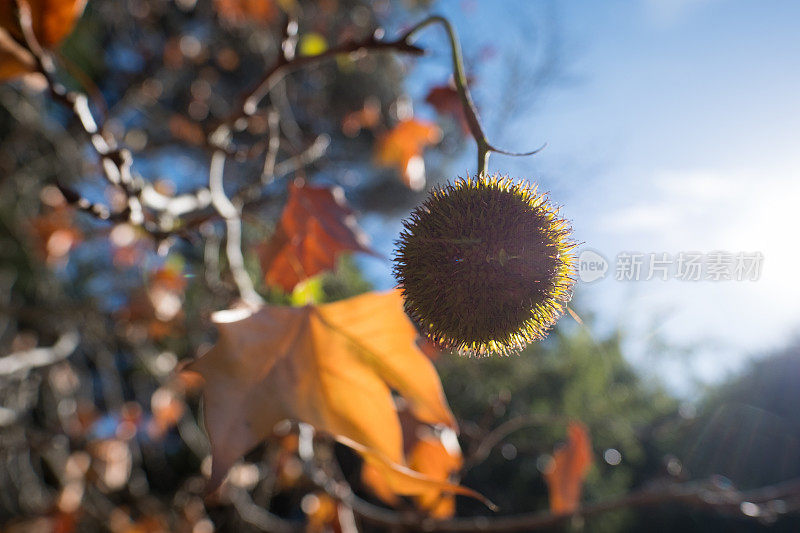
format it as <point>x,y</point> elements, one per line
<point>485,265</point>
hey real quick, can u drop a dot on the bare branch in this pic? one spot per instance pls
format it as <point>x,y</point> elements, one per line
<point>258,517</point>
<point>485,148</point>
<point>304,158</point>
<point>502,431</point>
<point>287,63</point>
<point>273,122</point>
<point>38,357</point>
<point>233,223</point>
<point>758,504</point>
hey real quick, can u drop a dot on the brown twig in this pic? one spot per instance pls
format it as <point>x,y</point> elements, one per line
<point>287,63</point>
<point>496,436</point>
<point>754,504</point>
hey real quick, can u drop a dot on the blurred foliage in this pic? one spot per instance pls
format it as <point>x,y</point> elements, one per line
<point>743,433</point>
<point>569,376</point>
<point>108,439</point>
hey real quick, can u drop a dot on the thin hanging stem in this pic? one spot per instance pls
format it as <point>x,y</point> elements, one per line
<point>485,148</point>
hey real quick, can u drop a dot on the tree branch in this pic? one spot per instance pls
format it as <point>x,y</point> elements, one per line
<point>233,223</point>
<point>757,504</point>
<point>27,360</point>
<point>284,66</point>
<point>485,148</point>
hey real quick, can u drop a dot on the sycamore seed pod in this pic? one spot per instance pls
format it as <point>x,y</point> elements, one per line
<point>485,265</point>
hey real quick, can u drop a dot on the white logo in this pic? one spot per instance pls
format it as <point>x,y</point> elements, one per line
<point>591,266</point>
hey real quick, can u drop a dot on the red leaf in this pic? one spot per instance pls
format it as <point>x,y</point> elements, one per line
<point>315,227</point>
<point>445,99</point>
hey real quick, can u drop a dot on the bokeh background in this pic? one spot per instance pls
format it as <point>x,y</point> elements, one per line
<point>669,127</point>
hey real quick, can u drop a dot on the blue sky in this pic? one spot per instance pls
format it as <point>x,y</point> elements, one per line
<point>671,125</point>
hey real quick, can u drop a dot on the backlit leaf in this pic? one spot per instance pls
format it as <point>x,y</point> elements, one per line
<point>402,148</point>
<point>332,366</point>
<point>571,463</point>
<point>52,20</point>
<point>438,457</point>
<point>432,456</point>
<point>408,482</point>
<point>315,227</point>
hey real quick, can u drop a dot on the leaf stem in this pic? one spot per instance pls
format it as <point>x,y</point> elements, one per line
<point>485,148</point>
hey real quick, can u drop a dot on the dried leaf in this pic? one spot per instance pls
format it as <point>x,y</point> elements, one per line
<point>402,148</point>
<point>332,366</point>
<point>52,20</point>
<point>315,227</point>
<point>437,457</point>
<point>445,99</point>
<point>571,463</point>
<point>431,456</point>
<point>407,482</point>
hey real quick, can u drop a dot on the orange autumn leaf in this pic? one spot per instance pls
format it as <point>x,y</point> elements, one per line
<point>402,480</point>
<point>244,11</point>
<point>434,458</point>
<point>167,407</point>
<point>322,512</point>
<point>365,118</point>
<point>333,366</point>
<point>437,457</point>
<point>56,234</point>
<point>375,480</point>
<point>402,148</point>
<point>571,463</point>
<point>52,21</point>
<point>315,227</point>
